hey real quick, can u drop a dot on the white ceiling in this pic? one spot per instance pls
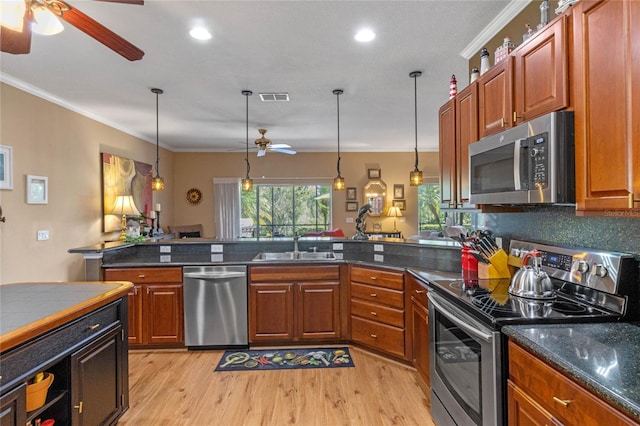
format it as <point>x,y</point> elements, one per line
<point>305,48</point>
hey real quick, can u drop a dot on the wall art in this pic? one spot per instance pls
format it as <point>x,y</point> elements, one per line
<point>6,167</point>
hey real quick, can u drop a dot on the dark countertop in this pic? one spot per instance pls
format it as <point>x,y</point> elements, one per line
<point>30,309</point>
<point>604,358</point>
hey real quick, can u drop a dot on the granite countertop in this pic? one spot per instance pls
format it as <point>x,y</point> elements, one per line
<point>604,358</point>
<point>30,309</point>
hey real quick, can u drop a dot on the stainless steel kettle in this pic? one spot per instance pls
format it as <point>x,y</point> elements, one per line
<point>532,282</point>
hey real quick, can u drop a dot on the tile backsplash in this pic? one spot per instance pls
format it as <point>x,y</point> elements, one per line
<point>560,226</point>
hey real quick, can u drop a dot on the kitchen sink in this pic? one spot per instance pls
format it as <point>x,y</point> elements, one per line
<point>295,255</point>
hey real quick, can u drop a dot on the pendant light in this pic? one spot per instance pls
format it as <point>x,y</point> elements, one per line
<point>247,183</point>
<point>157,184</point>
<point>338,182</point>
<point>415,177</point>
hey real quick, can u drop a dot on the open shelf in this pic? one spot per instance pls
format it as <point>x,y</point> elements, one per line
<point>53,397</point>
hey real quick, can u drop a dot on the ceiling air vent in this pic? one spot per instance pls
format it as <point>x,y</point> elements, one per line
<point>274,97</point>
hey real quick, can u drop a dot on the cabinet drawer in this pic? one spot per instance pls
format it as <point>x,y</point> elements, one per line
<point>388,279</point>
<point>380,336</point>
<point>377,312</point>
<point>145,275</point>
<point>381,295</point>
<point>417,290</point>
<point>294,273</point>
<point>551,389</point>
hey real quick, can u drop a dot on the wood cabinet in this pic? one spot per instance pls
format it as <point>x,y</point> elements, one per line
<point>156,314</point>
<point>294,303</point>
<point>532,81</point>
<point>538,394</point>
<point>606,87</point>
<point>13,407</point>
<point>378,309</point>
<point>447,153</point>
<point>419,328</point>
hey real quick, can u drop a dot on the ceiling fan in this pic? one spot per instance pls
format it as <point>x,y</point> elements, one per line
<point>265,145</point>
<point>16,38</point>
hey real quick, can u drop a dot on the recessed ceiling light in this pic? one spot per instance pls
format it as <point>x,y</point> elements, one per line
<point>365,35</point>
<point>200,33</point>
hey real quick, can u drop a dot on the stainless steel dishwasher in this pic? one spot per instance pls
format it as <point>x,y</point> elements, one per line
<point>215,306</point>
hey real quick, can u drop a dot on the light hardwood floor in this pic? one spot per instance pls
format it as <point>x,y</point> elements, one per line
<point>181,388</point>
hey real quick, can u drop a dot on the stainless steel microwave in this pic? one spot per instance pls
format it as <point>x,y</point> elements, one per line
<point>532,163</point>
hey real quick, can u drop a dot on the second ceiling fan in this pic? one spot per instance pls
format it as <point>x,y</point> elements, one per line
<point>265,145</point>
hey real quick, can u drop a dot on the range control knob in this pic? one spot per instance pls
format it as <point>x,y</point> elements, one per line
<point>582,266</point>
<point>600,270</point>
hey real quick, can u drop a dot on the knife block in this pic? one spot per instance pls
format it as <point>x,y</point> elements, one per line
<point>498,268</point>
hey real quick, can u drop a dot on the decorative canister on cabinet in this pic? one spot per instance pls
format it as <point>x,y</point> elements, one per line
<point>484,61</point>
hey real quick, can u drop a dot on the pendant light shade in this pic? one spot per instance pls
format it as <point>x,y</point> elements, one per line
<point>157,184</point>
<point>247,182</point>
<point>415,177</point>
<point>338,181</point>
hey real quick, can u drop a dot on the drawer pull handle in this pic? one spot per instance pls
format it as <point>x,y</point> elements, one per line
<point>141,276</point>
<point>373,278</point>
<point>374,313</point>
<point>421,291</point>
<point>563,402</point>
<point>374,336</point>
<point>502,122</point>
<point>78,407</point>
<point>373,295</point>
<point>93,327</point>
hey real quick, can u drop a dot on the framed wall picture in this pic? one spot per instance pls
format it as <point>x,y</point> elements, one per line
<point>351,194</point>
<point>401,204</point>
<point>373,173</point>
<point>352,206</point>
<point>6,167</point>
<point>398,191</point>
<point>37,189</point>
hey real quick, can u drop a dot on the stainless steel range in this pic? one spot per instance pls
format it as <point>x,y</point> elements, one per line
<point>468,359</point>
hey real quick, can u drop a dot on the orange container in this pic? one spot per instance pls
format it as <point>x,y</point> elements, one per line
<point>37,392</point>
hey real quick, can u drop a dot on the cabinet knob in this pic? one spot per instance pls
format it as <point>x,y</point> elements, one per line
<point>94,326</point>
<point>373,295</point>
<point>421,291</point>
<point>373,278</point>
<point>502,122</point>
<point>374,313</point>
<point>563,402</point>
<point>78,407</point>
<point>141,276</point>
<point>374,336</point>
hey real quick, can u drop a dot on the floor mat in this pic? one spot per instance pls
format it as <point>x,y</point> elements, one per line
<point>277,359</point>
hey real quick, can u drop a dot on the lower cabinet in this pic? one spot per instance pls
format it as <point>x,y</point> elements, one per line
<point>13,407</point>
<point>156,306</point>
<point>419,319</point>
<point>538,394</point>
<point>294,303</point>
<point>378,309</point>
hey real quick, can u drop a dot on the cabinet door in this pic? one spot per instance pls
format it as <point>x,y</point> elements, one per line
<point>607,149</point>
<point>135,314</point>
<point>495,92</point>
<point>420,339</point>
<point>447,143</point>
<point>164,312</point>
<point>541,74</point>
<point>270,311</point>
<point>466,134</point>
<point>13,407</point>
<point>97,381</point>
<point>318,310</point>
<point>524,411</point>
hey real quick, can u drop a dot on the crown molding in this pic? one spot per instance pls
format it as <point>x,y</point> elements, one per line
<point>498,23</point>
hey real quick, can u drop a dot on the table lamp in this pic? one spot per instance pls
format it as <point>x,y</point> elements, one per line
<point>124,206</point>
<point>394,211</point>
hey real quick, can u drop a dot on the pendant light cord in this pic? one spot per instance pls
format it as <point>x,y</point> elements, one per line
<point>415,103</point>
<point>157,136</point>
<point>247,93</point>
<point>338,92</point>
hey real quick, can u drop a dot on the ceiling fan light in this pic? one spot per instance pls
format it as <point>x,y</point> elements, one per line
<point>338,183</point>
<point>415,178</point>
<point>157,184</point>
<point>247,184</point>
<point>12,14</point>
<point>45,22</point>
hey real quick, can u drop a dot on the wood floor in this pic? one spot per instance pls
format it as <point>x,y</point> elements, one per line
<point>181,388</point>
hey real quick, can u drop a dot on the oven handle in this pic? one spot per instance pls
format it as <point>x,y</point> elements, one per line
<point>457,321</point>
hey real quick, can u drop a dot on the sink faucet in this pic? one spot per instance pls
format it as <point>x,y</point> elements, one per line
<point>295,242</point>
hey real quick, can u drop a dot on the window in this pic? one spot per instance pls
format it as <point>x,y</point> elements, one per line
<point>281,210</point>
<point>431,218</point>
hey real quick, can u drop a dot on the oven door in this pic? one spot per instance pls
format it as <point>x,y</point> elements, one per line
<point>466,369</point>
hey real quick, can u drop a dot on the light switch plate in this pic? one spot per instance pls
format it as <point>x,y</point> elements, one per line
<point>165,249</point>
<point>378,247</point>
<point>216,248</point>
<point>43,234</point>
<point>378,258</point>
<point>337,246</point>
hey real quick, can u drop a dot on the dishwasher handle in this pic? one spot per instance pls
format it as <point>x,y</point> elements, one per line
<point>214,275</point>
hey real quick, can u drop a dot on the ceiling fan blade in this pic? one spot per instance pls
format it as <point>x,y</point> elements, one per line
<point>283,151</point>
<point>280,145</point>
<point>17,42</point>
<point>262,152</point>
<point>99,32</point>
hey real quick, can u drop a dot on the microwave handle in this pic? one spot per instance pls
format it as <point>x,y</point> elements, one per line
<point>517,147</point>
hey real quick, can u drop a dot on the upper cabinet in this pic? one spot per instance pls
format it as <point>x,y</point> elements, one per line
<point>531,82</point>
<point>606,87</point>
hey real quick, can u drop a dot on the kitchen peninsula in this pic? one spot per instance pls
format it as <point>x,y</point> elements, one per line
<point>75,331</point>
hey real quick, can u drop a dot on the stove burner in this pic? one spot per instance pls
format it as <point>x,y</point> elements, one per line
<point>568,308</point>
<point>489,305</point>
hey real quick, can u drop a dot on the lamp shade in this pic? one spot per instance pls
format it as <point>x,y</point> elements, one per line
<point>394,211</point>
<point>125,206</point>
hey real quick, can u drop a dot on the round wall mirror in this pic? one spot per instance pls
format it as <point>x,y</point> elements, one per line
<point>375,194</point>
